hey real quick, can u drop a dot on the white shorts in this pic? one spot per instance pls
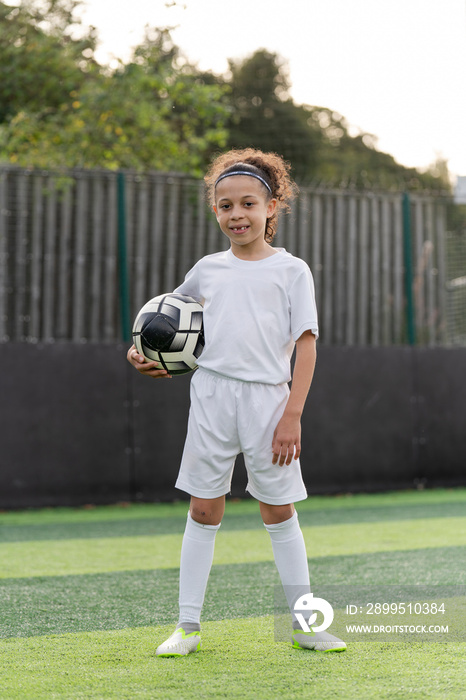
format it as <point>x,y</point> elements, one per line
<point>229,416</point>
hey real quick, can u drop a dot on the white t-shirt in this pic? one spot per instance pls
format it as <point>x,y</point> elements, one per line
<point>254,311</point>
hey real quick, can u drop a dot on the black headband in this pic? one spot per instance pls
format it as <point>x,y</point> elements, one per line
<point>244,172</point>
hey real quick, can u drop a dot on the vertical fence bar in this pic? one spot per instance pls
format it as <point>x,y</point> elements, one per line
<point>131,186</point>
<point>431,310</point>
<point>48,293</point>
<point>158,196</point>
<point>328,272</point>
<point>3,257</point>
<point>201,225</point>
<point>96,305</point>
<point>64,259</point>
<point>441,232</point>
<point>20,258</point>
<point>317,248</point>
<point>79,262</point>
<point>340,265</point>
<point>419,267</point>
<point>408,264</point>
<point>36,260</point>
<point>290,230</point>
<point>123,281</point>
<point>398,271</point>
<point>303,232</point>
<point>386,264</point>
<point>141,245</point>
<point>187,224</point>
<point>350,333</point>
<point>363,289</point>
<point>375,273</point>
<point>172,235</point>
<point>110,318</point>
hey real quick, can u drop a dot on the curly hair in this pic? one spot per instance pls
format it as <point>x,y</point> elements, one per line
<point>272,167</point>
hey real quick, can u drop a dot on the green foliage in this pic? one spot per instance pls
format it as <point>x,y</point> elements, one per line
<point>154,113</point>
<point>59,108</point>
<point>132,119</point>
<point>354,161</point>
<point>40,63</point>
<point>264,116</point>
<point>315,140</point>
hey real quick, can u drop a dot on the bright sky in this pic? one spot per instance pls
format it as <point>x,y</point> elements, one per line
<point>393,68</point>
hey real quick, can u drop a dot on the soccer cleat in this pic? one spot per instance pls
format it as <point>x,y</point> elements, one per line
<point>320,641</point>
<point>180,644</point>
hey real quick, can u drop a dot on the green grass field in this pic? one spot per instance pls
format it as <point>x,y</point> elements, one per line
<point>88,594</point>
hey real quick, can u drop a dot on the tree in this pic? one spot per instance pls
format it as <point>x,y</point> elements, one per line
<point>40,62</point>
<point>316,140</point>
<point>60,108</point>
<point>355,161</point>
<point>153,113</point>
<point>265,117</point>
<point>193,111</point>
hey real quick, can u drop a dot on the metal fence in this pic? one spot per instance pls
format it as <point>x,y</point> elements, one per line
<point>61,262</point>
<point>456,286</point>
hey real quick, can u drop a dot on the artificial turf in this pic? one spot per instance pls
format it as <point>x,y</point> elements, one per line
<point>239,660</point>
<point>87,594</point>
<point>91,555</point>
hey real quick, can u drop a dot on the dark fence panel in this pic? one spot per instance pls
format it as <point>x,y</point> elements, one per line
<point>439,388</point>
<point>159,419</point>
<point>78,425</point>
<point>359,422</point>
<point>63,424</point>
<point>381,418</point>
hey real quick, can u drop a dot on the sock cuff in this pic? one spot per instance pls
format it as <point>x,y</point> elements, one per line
<point>200,526</point>
<point>287,530</point>
<point>189,626</point>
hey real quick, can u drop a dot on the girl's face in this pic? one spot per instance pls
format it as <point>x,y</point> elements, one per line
<point>242,208</point>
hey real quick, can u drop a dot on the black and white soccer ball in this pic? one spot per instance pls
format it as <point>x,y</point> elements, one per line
<point>169,329</point>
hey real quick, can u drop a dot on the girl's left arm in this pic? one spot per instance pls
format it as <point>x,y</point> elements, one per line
<point>287,436</point>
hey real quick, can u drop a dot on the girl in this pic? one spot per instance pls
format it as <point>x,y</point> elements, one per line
<point>258,306</point>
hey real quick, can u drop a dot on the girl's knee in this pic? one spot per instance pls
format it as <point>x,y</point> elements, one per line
<point>276,514</point>
<point>208,511</point>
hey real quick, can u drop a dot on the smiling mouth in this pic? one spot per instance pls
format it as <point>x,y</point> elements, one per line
<point>239,229</point>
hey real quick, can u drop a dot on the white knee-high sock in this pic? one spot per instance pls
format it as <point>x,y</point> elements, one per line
<point>290,556</point>
<point>197,553</point>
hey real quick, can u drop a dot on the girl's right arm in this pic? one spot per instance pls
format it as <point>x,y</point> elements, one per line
<point>149,369</point>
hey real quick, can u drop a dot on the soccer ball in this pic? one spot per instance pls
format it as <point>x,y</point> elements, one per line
<point>169,330</point>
